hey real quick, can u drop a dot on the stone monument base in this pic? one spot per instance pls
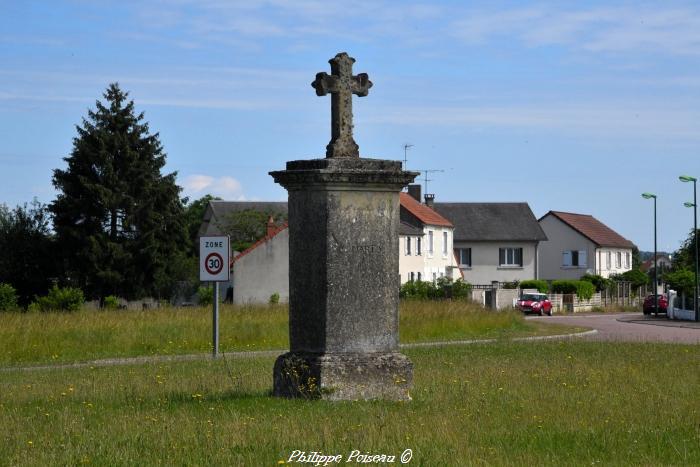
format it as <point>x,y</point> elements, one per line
<point>343,376</point>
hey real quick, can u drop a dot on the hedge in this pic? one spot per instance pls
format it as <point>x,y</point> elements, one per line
<point>583,289</point>
<point>540,285</point>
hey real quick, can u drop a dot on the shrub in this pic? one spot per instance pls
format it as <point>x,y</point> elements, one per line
<point>461,289</point>
<point>564,286</point>
<point>599,282</point>
<point>540,285</point>
<point>8,297</point>
<point>635,276</point>
<point>60,299</point>
<point>682,281</point>
<point>583,289</point>
<point>205,295</point>
<point>274,298</point>
<point>111,302</point>
<point>421,290</point>
<point>442,288</point>
<point>511,285</point>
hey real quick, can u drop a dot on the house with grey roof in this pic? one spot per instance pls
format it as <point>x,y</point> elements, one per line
<point>494,241</point>
<point>218,211</point>
<point>425,248</point>
<point>579,244</point>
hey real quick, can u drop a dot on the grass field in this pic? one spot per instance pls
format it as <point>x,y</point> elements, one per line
<point>563,403</point>
<point>34,338</point>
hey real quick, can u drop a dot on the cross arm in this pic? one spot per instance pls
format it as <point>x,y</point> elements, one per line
<point>361,84</point>
<point>325,83</point>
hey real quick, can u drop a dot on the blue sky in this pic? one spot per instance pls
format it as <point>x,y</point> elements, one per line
<point>567,106</point>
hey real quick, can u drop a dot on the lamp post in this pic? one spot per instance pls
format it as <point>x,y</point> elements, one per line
<point>694,205</point>
<point>656,298</point>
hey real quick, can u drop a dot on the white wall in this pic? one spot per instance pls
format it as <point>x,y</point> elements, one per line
<point>412,263</point>
<point>441,261</point>
<point>263,272</point>
<point>485,262</point>
<point>606,270</point>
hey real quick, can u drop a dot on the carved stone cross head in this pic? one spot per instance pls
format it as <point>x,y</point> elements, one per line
<point>342,85</point>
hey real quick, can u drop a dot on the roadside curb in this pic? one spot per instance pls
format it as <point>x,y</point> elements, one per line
<point>665,324</point>
<point>266,353</point>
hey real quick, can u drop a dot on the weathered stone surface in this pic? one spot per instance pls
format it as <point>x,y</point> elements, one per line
<point>343,267</point>
<point>361,376</point>
<point>342,85</point>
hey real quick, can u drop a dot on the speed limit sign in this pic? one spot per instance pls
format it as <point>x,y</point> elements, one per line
<point>213,259</point>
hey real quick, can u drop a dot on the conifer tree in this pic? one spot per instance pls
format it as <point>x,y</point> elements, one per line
<point>118,220</point>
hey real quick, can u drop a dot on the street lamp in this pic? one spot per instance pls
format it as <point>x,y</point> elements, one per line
<point>656,298</point>
<point>694,205</point>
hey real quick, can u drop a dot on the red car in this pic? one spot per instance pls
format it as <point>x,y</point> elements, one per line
<point>535,303</point>
<point>648,306</point>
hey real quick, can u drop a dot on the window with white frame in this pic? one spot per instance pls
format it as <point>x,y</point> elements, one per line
<point>408,246</point>
<point>510,256</point>
<point>430,242</point>
<point>608,259</point>
<point>619,259</point>
<point>419,278</point>
<point>418,246</point>
<point>464,257</point>
<point>444,244</point>
<point>411,276</point>
<point>575,258</point>
<point>627,260</point>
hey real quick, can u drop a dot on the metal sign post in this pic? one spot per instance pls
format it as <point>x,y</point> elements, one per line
<point>214,263</point>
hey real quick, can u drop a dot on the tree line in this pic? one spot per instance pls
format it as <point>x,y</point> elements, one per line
<point>118,225</point>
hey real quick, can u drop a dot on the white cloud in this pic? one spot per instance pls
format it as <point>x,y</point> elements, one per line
<point>198,185</point>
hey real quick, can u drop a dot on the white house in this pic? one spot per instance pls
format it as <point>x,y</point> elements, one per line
<point>494,242</point>
<point>425,249</point>
<point>425,242</point>
<point>578,244</point>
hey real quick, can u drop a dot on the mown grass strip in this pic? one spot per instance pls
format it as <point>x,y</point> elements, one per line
<point>536,403</point>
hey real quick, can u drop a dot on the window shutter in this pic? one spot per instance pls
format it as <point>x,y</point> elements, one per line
<point>566,260</point>
<point>519,256</point>
<point>501,256</point>
<point>583,258</point>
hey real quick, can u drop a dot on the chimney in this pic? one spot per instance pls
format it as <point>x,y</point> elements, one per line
<point>414,191</point>
<point>271,226</point>
<point>429,199</point>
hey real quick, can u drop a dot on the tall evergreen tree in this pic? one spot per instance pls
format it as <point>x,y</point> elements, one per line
<point>118,220</point>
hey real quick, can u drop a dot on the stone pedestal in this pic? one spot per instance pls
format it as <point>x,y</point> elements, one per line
<point>343,281</point>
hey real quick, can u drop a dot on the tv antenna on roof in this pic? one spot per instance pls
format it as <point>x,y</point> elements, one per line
<point>406,147</point>
<point>425,172</point>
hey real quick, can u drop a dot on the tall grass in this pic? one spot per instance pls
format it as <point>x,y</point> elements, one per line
<point>88,334</point>
<point>566,403</point>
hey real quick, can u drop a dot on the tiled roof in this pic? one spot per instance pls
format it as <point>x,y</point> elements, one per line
<point>483,222</point>
<point>592,228</point>
<point>266,238</point>
<point>424,214</point>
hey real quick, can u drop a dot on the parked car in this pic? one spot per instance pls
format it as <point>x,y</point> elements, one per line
<point>535,303</point>
<point>648,306</point>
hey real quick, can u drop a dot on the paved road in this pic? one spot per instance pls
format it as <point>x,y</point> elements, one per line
<point>631,327</point>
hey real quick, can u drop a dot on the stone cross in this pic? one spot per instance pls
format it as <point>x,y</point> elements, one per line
<point>342,85</point>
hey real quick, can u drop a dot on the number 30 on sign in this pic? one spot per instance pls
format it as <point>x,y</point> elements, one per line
<point>213,259</point>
